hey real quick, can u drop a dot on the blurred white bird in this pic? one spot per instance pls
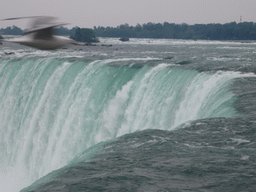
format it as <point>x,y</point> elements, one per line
<point>40,35</point>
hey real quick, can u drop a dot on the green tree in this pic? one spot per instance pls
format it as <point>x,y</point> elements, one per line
<point>84,35</point>
<point>63,31</point>
<point>12,31</point>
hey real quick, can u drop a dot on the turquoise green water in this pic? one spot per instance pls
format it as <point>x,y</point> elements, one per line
<point>52,108</point>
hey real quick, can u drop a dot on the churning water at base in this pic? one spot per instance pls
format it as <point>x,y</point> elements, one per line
<point>53,109</point>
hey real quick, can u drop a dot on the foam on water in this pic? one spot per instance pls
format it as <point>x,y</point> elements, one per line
<point>51,109</point>
<point>151,41</point>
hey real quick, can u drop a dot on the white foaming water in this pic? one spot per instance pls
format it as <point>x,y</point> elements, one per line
<point>112,115</point>
<point>150,41</point>
<point>52,110</point>
<point>205,95</point>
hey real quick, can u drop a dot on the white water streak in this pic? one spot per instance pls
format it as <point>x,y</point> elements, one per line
<point>46,120</point>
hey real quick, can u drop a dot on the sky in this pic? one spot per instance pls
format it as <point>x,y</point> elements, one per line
<point>89,13</point>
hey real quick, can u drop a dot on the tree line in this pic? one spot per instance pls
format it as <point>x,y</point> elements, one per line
<point>76,33</point>
<point>228,31</point>
<point>14,30</point>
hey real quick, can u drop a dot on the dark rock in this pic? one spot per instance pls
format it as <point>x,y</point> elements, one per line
<point>89,44</point>
<point>124,39</point>
<point>9,53</point>
<point>170,57</point>
<point>106,45</point>
<point>184,62</point>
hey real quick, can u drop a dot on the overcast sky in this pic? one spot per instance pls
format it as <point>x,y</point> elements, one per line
<point>89,13</point>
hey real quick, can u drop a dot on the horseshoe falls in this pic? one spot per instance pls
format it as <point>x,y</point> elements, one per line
<point>79,119</point>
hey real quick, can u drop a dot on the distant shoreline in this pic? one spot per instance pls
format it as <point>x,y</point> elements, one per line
<point>229,32</point>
